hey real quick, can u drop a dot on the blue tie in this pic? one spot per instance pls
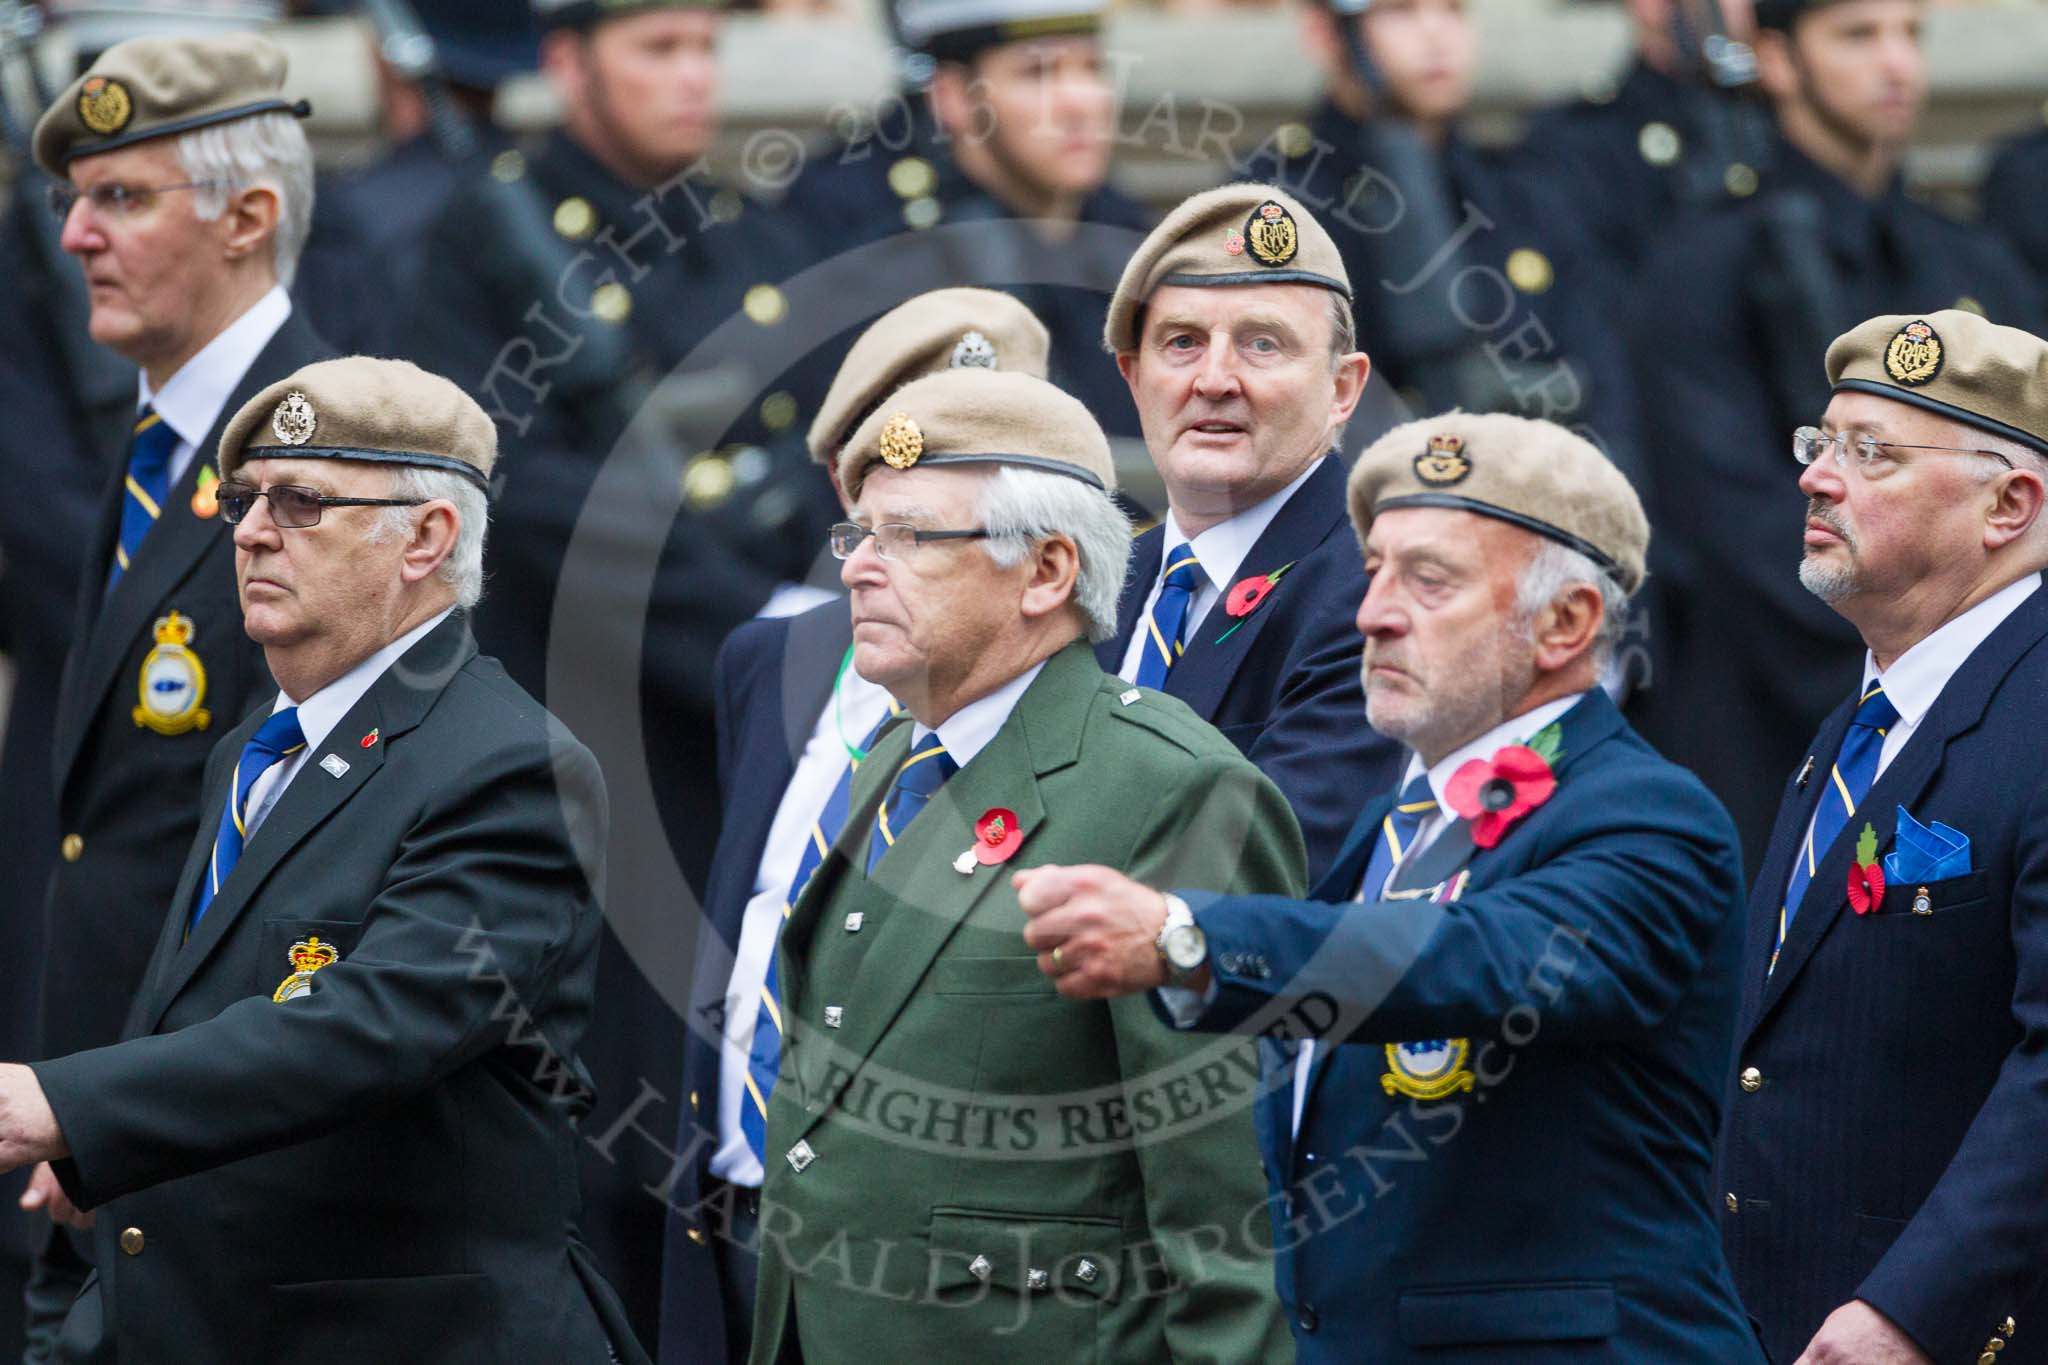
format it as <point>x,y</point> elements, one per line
<point>279,737</point>
<point>922,774</point>
<point>148,483</point>
<point>1849,779</point>
<point>1163,624</point>
<point>764,1058</point>
<point>1415,804</point>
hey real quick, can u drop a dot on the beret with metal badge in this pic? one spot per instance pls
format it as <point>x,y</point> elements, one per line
<point>980,417</point>
<point>359,408</point>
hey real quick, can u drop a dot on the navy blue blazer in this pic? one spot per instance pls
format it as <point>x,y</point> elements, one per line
<point>1285,686</point>
<point>1535,1185</point>
<point>1887,1126</point>
<point>771,681</point>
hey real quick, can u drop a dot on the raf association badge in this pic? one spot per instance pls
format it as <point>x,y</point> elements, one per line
<point>1271,234</point>
<point>172,688</point>
<point>308,956</point>
<point>1428,1070</point>
<point>1444,463</point>
<point>104,105</point>
<point>1914,356</point>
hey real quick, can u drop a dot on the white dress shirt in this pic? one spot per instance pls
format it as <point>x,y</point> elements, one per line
<point>191,400</point>
<point>855,708</point>
<point>1221,552</point>
<point>321,712</point>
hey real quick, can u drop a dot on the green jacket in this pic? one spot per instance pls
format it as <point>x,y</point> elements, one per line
<point>966,1166</point>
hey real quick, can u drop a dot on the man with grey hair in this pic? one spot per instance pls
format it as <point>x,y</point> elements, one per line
<point>371,1159</point>
<point>186,192</point>
<point>1506,1009</point>
<point>957,1160</point>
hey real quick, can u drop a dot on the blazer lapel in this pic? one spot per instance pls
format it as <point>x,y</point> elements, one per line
<point>1788,836</point>
<point>394,705</point>
<point>1212,656</point>
<point>1955,712</point>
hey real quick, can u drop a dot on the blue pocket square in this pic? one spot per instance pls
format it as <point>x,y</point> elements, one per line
<point>1926,853</point>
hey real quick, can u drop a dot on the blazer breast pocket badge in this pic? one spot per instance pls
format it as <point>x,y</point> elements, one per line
<point>172,689</point>
<point>308,956</point>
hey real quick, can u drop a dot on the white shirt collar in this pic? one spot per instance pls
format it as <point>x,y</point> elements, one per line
<point>1918,676</point>
<point>967,731</point>
<point>1223,547</point>
<point>321,712</point>
<point>1518,730</point>
<point>191,400</point>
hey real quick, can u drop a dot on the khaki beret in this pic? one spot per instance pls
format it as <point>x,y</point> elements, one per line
<point>1239,234</point>
<point>980,417</point>
<point>388,412</point>
<point>1535,475</point>
<point>159,87</point>
<point>946,329</point>
<point>1954,363</point>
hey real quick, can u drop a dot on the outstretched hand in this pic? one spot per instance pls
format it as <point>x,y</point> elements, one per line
<point>1095,931</point>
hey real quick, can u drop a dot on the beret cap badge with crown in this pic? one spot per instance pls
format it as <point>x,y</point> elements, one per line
<point>1444,463</point>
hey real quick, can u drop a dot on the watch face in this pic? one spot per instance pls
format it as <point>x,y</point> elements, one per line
<point>1186,947</point>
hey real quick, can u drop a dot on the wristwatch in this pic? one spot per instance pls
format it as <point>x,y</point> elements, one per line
<point>1183,947</point>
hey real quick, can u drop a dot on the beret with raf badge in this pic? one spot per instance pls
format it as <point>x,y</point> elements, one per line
<point>358,408</point>
<point>980,417</point>
<point>1952,363</point>
<point>160,87</point>
<point>588,14</point>
<point>1532,474</point>
<point>946,329</point>
<point>1237,235</point>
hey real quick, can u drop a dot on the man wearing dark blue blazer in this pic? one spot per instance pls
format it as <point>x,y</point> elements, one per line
<point>791,717</point>
<point>1489,1091</point>
<point>1239,347</point>
<point>1884,1165</point>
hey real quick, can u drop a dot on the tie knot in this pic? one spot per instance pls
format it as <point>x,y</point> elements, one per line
<point>1876,711</point>
<point>927,767</point>
<point>1184,571</point>
<point>1416,799</point>
<point>280,734</point>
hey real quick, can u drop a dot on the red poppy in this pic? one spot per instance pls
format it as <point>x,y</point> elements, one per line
<point>996,836</point>
<point>1491,794</point>
<point>1866,886</point>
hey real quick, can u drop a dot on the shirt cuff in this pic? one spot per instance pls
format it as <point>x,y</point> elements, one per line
<point>1185,1007</point>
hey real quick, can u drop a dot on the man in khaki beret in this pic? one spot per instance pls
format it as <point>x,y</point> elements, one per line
<point>1489,1114</point>
<point>1232,326</point>
<point>790,710</point>
<point>961,1165</point>
<point>338,1124</point>
<point>1898,928</point>
<point>185,186</point>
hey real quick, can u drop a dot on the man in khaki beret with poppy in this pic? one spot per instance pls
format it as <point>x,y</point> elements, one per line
<point>960,1164</point>
<point>793,716</point>
<point>1492,1034</point>
<point>340,1124</point>
<point>1882,1163</point>
<point>185,186</point>
<point>1233,327</point>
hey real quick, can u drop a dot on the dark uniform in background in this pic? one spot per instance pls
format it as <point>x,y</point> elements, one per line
<point>901,175</point>
<point>548,255</point>
<point>2015,198</point>
<point>1732,309</point>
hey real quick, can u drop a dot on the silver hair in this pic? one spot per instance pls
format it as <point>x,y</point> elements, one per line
<point>463,569</point>
<point>1021,507</point>
<point>268,150</point>
<point>1555,567</point>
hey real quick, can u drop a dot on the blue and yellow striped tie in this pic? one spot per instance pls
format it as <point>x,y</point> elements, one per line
<point>147,485</point>
<point>920,777</point>
<point>1164,625</point>
<point>1415,804</point>
<point>764,1056</point>
<point>277,739</point>
<point>1849,779</point>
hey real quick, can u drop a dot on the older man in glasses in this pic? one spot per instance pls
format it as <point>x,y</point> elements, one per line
<point>340,1124</point>
<point>185,185</point>
<point>1882,1157</point>
<point>961,1164</point>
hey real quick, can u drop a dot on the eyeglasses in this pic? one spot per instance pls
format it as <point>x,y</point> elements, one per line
<point>1810,443</point>
<point>291,507</point>
<point>114,200</point>
<point>893,539</point>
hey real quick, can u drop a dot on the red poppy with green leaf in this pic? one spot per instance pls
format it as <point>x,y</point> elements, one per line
<point>1866,874</point>
<point>1246,595</point>
<point>1492,794</point>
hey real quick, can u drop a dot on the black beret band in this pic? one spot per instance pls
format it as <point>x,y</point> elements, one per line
<point>1527,523</point>
<point>1036,462</point>
<point>418,459</point>
<point>296,108</point>
<point>1259,277</point>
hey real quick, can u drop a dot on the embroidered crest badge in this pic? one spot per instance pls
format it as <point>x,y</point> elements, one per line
<point>171,692</point>
<point>1271,235</point>
<point>1444,463</point>
<point>308,956</point>
<point>1914,356</point>
<point>104,105</point>
<point>1428,1070</point>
